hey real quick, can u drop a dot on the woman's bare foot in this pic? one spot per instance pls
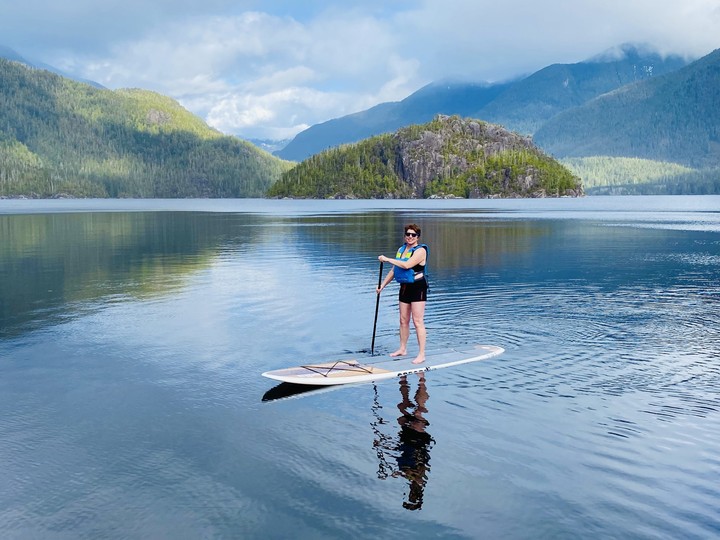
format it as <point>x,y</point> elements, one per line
<point>399,352</point>
<point>419,360</point>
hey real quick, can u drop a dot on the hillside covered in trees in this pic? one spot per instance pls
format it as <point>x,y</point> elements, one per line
<point>448,157</point>
<point>60,137</point>
<point>671,119</point>
<point>605,175</point>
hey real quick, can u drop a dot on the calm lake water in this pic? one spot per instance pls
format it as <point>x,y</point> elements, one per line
<point>133,335</point>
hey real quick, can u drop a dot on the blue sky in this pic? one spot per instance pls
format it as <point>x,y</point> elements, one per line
<point>271,69</point>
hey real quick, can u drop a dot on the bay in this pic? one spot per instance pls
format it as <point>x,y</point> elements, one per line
<point>133,334</point>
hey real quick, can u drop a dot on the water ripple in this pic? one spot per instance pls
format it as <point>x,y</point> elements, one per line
<point>131,388</point>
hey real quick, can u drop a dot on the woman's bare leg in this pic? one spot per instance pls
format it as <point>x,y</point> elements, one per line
<point>418,317</point>
<point>404,329</point>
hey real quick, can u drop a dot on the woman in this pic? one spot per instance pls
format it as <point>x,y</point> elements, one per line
<point>409,270</point>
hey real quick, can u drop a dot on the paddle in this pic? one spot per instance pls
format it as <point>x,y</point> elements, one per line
<point>377,305</point>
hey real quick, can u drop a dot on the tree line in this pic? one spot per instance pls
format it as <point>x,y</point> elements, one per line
<point>603,175</point>
<point>61,137</point>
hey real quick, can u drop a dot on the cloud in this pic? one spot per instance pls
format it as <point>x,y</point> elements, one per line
<point>280,113</point>
<point>39,26</point>
<point>270,68</point>
<point>261,75</point>
<point>497,40</point>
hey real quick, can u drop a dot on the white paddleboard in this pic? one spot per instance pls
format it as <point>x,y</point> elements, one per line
<point>378,368</point>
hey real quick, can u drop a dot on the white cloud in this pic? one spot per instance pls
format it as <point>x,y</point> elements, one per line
<point>284,78</point>
<point>280,113</point>
<point>495,40</point>
<point>265,76</point>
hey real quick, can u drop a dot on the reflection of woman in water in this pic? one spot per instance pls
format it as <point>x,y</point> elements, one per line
<point>414,444</point>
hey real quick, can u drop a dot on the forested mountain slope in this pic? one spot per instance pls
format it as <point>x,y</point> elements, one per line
<point>529,103</point>
<point>61,137</point>
<point>673,118</point>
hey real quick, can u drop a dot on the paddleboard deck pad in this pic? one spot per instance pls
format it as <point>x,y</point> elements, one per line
<point>378,368</point>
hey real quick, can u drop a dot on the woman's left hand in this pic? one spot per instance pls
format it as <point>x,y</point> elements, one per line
<point>382,258</point>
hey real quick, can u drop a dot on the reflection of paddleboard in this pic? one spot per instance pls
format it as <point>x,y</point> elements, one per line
<point>286,390</point>
<point>369,369</point>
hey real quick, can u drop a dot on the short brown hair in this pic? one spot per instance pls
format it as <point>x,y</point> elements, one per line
<point>413,227</point>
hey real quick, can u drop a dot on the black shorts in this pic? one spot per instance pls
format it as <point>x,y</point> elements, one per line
<point>413,292</point>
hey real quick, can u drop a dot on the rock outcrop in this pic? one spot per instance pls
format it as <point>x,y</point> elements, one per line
<point>448,157</point>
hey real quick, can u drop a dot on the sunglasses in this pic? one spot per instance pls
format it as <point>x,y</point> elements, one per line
<point>411,234</point>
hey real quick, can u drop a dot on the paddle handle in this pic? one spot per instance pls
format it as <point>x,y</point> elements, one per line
<point>377,306</point>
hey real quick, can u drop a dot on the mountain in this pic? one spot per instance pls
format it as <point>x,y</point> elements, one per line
<point>439,98</point>
<point>521,105</point>
<point>10,54</point>
<point>448,157</point>
<point>528,104</point>
<point>270,145</point>
<point>61,137</point>
<point>673,118</point>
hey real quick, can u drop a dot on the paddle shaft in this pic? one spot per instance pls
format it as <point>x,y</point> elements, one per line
<point>377,306</point>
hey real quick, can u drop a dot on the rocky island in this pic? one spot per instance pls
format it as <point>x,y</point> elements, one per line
<point>447,157</point>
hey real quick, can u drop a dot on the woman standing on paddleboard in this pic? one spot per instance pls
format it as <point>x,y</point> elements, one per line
<point>409,270</point>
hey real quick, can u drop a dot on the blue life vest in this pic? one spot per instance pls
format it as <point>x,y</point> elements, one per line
<point>410,275</point>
